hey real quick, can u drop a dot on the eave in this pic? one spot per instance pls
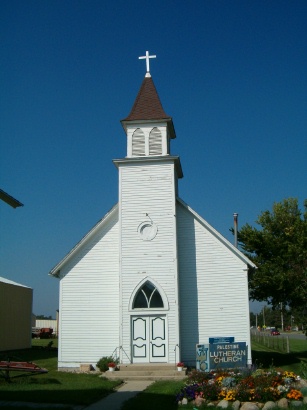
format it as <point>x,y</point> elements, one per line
<point>153,159</point>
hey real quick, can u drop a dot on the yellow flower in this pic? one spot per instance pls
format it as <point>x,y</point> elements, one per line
<point>289,375</point>
<point>219,379</point>
<point>231,395</point>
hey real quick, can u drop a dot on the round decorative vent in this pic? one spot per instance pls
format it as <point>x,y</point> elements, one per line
<point>147,230</point>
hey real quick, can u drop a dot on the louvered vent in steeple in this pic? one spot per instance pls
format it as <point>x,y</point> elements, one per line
<point>155,142</point>
<point>138,143</point>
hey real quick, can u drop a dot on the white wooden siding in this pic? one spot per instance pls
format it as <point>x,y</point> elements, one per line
<point>212,286</point>
<point>147,192</point>
<point>89,299</point>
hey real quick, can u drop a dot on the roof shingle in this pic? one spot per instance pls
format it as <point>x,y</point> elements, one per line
<point>147,105</point>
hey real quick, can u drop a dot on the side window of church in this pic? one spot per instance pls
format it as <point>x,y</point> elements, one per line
<point>138,143</point>
<point>155,142</point>
<point>148,297</point>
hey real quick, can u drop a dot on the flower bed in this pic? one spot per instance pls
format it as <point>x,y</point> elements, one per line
<point>244,386</point>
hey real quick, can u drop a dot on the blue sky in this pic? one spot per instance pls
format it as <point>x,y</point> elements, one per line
<point>232,74</point>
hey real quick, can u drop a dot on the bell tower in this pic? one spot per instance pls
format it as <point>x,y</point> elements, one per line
<point>148,231</point>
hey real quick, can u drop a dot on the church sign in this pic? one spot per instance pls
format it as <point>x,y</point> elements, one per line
<point>215,340</point>
<point>221,356</point>
<point>225,356</point>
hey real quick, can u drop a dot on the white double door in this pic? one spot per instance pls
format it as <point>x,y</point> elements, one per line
<point>149,339</point>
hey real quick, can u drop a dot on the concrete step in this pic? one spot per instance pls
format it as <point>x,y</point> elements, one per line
<point>146,372</point>
<point>117,375</point>
<point>147,367</point>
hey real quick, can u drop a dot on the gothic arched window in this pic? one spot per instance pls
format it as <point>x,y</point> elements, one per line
<point>138,143</point>
<point>155,142</point>
<point>148,297</point>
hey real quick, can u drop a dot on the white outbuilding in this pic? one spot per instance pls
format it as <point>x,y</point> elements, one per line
<point>15,315</point>
<point>152,278</point>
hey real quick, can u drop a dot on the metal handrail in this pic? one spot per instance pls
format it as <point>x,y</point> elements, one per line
<point>117,355</point>
<point>175,350</point>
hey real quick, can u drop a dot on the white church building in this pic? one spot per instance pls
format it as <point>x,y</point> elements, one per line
<point>152,278</point>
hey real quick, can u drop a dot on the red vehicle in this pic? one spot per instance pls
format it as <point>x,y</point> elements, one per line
<point>42,332</point>
<point>275,332</point>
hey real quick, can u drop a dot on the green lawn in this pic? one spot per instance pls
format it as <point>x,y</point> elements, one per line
<point>55,386</point>
<point>44,342</point>
<point>160,395</point>
<point>83,389</point>
<point>266,357</point>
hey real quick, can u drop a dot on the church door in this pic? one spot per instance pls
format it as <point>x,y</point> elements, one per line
<point>149,339</point>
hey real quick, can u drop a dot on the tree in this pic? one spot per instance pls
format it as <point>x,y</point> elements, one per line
<point>279,250</point>
<point>267,316</point>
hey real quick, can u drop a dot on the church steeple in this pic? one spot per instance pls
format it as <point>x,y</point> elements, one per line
<point>148,128</point>
<point>147,105</point>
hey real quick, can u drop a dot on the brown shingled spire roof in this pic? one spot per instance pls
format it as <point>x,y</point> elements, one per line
<point>147,105</point>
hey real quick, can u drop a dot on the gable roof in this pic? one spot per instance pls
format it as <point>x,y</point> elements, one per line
<point>56,270</point>
<point>218,236</point>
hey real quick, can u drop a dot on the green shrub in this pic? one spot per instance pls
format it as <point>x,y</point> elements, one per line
<point>102,364</point>
<point>303,370</point>
<point>304,391</point>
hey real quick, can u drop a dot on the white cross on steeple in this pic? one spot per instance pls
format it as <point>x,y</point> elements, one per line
<point>147,62</point>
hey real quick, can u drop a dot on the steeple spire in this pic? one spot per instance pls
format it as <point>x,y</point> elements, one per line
<point>147,105</point>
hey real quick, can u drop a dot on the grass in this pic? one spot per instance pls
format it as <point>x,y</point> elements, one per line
<point>24,407</point>
<point>44,342</point>
<point>287,361</point>
<point>55,386</point>
<point>159,395</point>
<point>84,389</point>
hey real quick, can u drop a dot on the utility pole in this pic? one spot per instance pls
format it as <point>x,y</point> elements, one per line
<point>235,221</point>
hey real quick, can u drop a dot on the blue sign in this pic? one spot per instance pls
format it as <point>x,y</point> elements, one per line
<point>227,355</point>
<point>214,340</point>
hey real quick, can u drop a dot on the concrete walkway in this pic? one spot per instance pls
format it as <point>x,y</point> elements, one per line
<point>115,400</point>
